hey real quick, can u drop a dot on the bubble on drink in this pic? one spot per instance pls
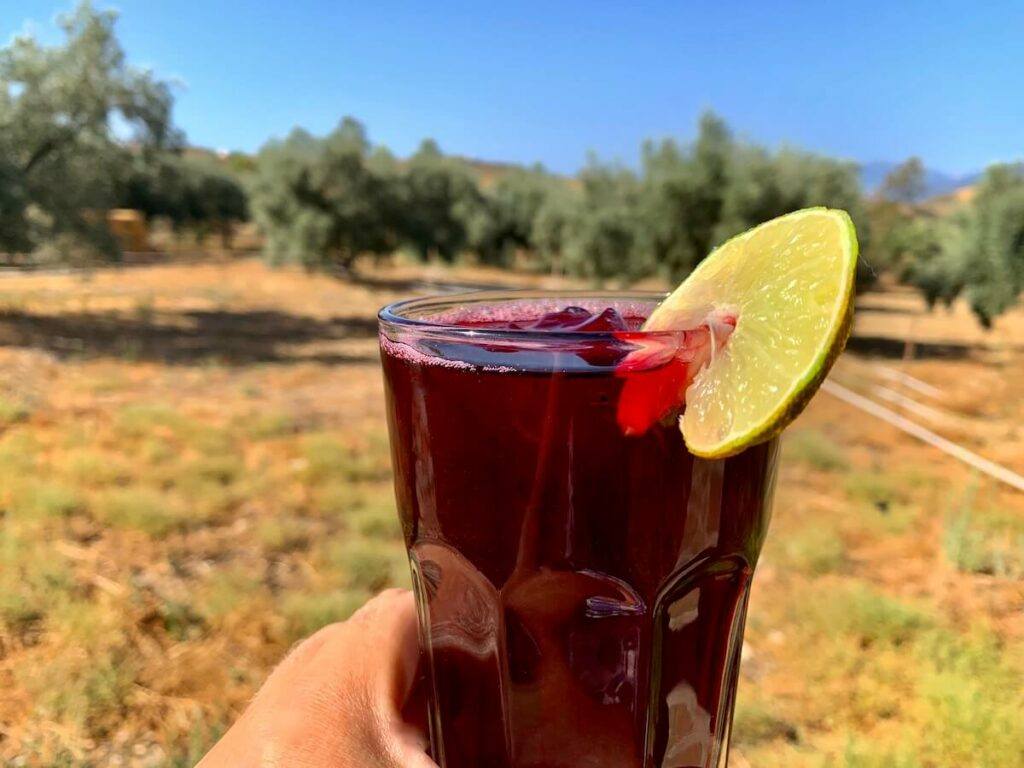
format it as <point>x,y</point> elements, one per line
<point>657,367</point>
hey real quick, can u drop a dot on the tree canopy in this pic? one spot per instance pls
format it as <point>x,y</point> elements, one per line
<point>61,157</point>
<point>440,199</point>
<point>321,202</point>
<point>986,261</point>
<point>906,182</point>
<point>191,191</point>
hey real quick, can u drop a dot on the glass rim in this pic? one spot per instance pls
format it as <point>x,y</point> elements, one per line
<point>395,316</point>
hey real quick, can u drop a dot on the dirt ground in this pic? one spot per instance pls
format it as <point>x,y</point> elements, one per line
<point>193,474</point>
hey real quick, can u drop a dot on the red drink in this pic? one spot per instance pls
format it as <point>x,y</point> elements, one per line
<point>582,579</point>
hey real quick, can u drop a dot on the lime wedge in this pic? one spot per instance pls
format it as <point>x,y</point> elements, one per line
<point>788,284</point>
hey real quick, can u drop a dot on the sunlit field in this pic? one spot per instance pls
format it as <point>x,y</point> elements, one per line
<point>194,474</point>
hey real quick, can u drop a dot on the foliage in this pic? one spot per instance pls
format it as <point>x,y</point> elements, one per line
<point>763,186</point>
<point>984,540</point>
<point>213,195</point>
<point>684,193</point>
<point>990,254</point>
<point>977,253</point>
<point>504,224</point>
<point>906,182</point>
<point>552,228</point>
<point>192,191</point>
<point>926,252</point>
<point>603,229</point>
<point>816,449</point>
<point>319,201</point>
<point>614,224</point>
<point>697,197</point>
<point>441,204</point>
<point>61,160</point>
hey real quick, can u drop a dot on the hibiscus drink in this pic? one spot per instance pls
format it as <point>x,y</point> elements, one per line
<point>581,578</point>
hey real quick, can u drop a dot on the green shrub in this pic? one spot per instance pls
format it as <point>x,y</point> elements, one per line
<point>816,548</point>
<point>89,682</point>
<point>12,412</point>
<point>862,612</point>
<point>200,740</point>
<point>328,459</point>
<point>877,488</point>
<point>984,541</point>
<point>283,534</point>
<point>216,469</point>
<point>94,469</point>
<point>338,498</point>
<point>970,700</point>
<point>138,421</point>
<point>33,579</point>
<point>230,589</point>
<point>755,723</point>
<point>377,521</point>
<point>814,448</point>
<point>370,566</point>
<point>35,499</point>
<point>269,424</point>
<point>306,613</point>
<point>862,753</point>
<point>19,452</point>
<point>89,692</point>
<point>139,508</point>
<point>181,620</point>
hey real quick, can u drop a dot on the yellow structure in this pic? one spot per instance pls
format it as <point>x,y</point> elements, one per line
<point>129,227</point>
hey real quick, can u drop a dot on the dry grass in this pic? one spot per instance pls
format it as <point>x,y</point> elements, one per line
<point>194,473</point>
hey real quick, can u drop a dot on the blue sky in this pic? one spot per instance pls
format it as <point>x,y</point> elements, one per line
<point>548,81</point>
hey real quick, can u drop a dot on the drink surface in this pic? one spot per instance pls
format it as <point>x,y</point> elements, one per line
<point>582,580</point>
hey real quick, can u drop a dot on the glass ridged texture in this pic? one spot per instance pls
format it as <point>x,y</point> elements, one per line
<point>581,592</point>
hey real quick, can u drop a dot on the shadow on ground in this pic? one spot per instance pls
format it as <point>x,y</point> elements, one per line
<point>268,336</point>
<point>421,286</point>
<point>883,309</point>
<point>234,338</point>
<point>893,348</point>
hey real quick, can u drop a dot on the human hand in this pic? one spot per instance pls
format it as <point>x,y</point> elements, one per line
<point>336,700</point>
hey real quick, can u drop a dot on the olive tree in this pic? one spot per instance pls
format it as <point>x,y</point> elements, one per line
<point>440,202</point>
<point>320,202</point>
<point>61,161</point>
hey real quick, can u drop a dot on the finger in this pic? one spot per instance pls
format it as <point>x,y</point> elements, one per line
<point>372,661</point>
<point>388,647</point>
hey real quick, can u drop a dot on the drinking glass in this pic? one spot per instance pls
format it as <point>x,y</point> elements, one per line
<point>581,591</point>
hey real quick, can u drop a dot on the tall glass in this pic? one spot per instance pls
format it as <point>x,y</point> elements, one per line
<point>581,591</point>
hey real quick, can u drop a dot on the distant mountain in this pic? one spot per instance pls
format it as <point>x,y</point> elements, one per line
<point>935,182</point>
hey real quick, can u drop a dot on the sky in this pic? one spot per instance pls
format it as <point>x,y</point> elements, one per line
<point>551,81</point>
